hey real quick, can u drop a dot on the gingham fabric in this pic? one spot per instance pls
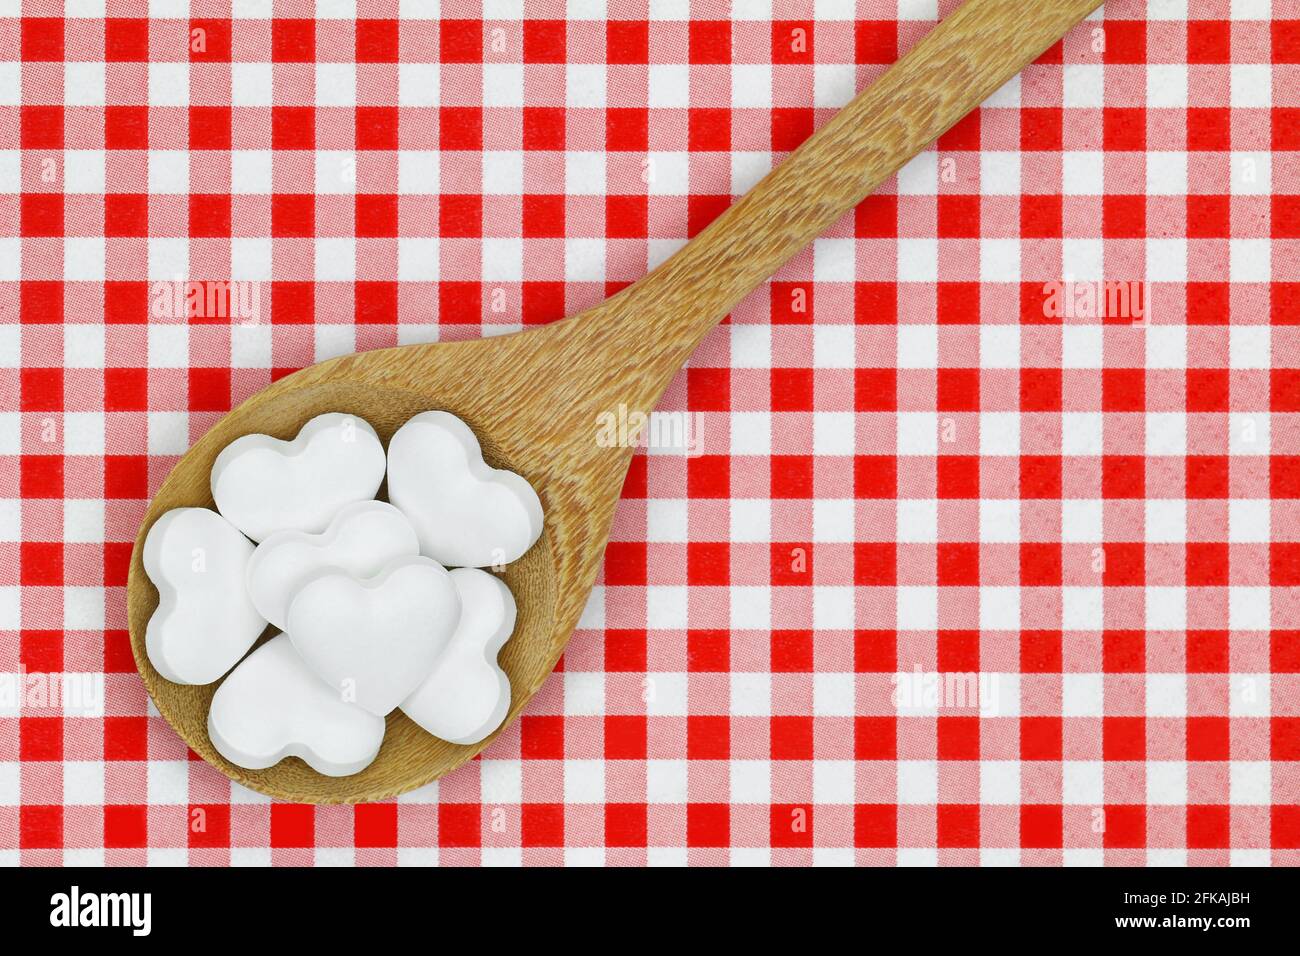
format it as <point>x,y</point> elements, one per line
<point>908,464</point>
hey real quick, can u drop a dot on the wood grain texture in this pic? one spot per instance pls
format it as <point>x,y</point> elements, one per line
<point>533,398</point>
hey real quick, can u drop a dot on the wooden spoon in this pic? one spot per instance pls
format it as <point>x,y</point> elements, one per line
<point>533,398</point>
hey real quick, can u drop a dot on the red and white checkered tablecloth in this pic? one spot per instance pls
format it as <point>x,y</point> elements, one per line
<point>909,463</point>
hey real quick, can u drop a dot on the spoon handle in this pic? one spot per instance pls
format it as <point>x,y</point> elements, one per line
<point>658,321</point>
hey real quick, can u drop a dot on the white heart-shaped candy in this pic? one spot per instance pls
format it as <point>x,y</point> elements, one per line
<point>264,485</point>
<point>273,707</point>
<point>467,695</point>
<point>361,540</point>
<point>205,621</point>
<point>465,513</point>
<point>375,639</point>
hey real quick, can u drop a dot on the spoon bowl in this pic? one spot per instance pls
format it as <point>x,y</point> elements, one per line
<point>409,757</point>
<point>535,399</point>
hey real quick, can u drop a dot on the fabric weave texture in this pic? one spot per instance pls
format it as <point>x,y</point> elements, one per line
<point>1074,530</point>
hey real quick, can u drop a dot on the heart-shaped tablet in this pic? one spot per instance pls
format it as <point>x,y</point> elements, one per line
<point>205,621</point>
<point>467,695</point>
<point>264,485</point>
<point>361,540</point>
<point>273,707</point>
<point>374,640</point>
<point>465,513</point>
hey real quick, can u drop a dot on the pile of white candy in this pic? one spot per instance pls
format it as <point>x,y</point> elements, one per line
<point>372,619</point>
